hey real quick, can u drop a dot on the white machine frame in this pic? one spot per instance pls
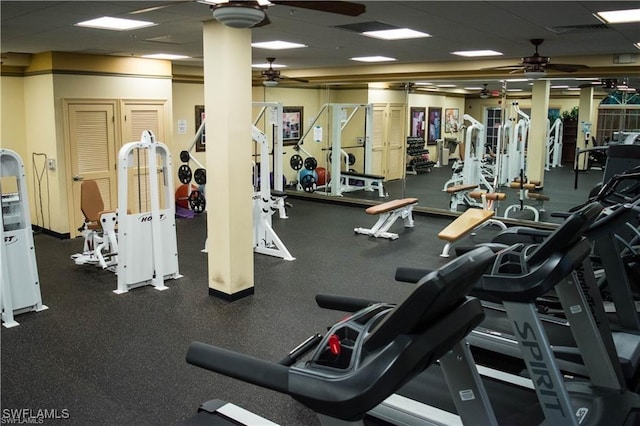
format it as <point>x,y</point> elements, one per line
<point>19,281</point>
<point>265,204</point>
<point>275,118</point>
<point>471,173</point>
<point>339,182</point>
<point>554,145</point>
<point>148,252</point>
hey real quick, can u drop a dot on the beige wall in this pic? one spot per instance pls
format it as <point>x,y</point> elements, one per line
<point>12,114</point>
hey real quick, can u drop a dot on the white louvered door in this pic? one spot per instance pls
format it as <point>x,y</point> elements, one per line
<point>94,142</point>
<point>92,147</point>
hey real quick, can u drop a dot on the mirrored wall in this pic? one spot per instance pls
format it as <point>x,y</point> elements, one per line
<point>397,142</point>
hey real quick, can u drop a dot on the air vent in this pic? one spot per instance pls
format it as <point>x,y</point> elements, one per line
<point>563,29</point>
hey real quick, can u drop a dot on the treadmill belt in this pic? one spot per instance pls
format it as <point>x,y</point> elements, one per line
<point>512,405</point>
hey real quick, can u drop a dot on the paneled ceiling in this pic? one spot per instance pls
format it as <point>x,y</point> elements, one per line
<point>571,33</point>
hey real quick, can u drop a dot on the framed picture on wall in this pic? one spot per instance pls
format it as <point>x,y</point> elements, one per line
<point>291,124</point>
<point>201,144</point>
<point>451,117</point>
<point>417,122</point>
<point>435,119</point>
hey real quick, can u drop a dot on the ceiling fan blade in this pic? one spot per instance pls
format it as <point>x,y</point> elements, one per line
<point>339,7</point>
<point>566,67</point>
<point>505,68</point>
<point>300,80</point>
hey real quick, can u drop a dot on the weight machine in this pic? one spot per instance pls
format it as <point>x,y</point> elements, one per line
<point>265,203</point>
<point>19,281</point>
<point>275,118</point>
<point>471,172</point>
<point>344,180</point>
<point>554,145</point>
<point>148,252</point>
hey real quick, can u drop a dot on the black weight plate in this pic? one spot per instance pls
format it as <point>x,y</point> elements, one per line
<point>352,159</point>
<point>310,163</point>
<point>296,162</point>
<point>200,176</point>
<point>184,156</point>
<point>308,183</point>
<point>197,201</point>
<point>184,173</point>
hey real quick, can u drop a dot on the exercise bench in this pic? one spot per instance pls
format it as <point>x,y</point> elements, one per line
<point>471,221</point>
<point>459,195</point>
<point>389,212</point>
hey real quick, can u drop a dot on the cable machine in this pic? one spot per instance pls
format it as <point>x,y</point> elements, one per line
<point>19,281</point>
<point>147,243</point>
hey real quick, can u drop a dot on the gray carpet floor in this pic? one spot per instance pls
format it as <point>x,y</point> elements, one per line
<point>120,359</point>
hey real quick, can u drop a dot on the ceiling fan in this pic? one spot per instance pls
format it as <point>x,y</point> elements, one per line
<point>251,14</point>
<point>485,93</point>
<point>536,65</point>
<point>272,76</point>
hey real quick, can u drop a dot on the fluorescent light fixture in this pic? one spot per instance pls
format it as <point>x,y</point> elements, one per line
<point>473,88</point>
<point>165,56</point>
<point>561,86</point>
<point>619,16</point>
<point>277,45</point>
<point>373,59</point>
<point>514,90</point>
<point>444,86</point>
<point>396,34</point>
<point>516,80</point>
<point>423,83</point>
<point>637,45</point>
<point>476,53</point>
<point>573,89</point>
<point>266,66</point>
<point>116,24</point>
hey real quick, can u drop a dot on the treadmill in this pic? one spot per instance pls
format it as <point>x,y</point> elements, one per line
<point>519,275</point>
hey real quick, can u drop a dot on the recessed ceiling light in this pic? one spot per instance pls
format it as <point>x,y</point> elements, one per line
<point>473,88</point>
<point>476,53</point>
<point>516,80</point>
<point>423,83</point>
<point>165,56</point>
<point>266,65</point>
<point>396,34</point>
<point>514,90</point>
<point>277,45</point>
<point>619,16</point>
<point>573,89</point>
<point>373,59</point>
<point>116,24</point>
<point>445,85</point>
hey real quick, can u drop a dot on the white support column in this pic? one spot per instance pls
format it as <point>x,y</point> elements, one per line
<point>227,95</point>
<point>537,145</point>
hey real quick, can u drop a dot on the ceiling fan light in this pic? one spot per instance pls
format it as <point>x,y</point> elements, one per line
<point>270,83</point>
<point>485,95</point>
<point>238,15</point>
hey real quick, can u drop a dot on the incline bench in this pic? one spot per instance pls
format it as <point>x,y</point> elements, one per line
<point>471,221</point>
<point>389,212</point>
